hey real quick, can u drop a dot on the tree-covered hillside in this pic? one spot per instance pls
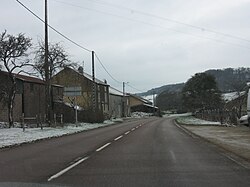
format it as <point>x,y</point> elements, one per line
<point>228,80</point>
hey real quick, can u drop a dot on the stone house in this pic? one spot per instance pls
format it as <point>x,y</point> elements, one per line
<point>29,98</point>
<point>78,89</point>
<point>118,104</point>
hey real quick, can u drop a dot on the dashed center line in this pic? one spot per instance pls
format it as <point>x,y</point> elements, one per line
<point>118,138</point>
<point>67,169</point>
<point>79,160</point>
<point>101,148</point>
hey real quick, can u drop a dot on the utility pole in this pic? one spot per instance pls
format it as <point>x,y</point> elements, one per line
<point>123,99</point>
<point>46,66</point>
<point>94,85</point>
<point>123,86</point>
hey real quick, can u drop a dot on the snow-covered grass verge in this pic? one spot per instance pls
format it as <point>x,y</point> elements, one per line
<point>140,115</point>
<point>16,136</point>
<point>177,115</point>
<point>190,120</point>
<point>233,139</point>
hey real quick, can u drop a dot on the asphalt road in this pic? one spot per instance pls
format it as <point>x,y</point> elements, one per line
<point>148,152</point>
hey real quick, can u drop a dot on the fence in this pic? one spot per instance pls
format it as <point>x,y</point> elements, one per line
<point>39,120</point>
<point>223,116</point>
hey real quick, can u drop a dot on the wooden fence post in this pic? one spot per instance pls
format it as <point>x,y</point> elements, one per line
<point>23,126</point>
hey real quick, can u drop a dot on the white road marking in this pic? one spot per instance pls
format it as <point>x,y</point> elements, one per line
<point>237,162</point>
<point>133,129</point>
<point>101,148</point>
<point>137,127</point>
<point>67,169</point>
<point>173,155</point>
<point>127,132</point>
<point>118,138</point>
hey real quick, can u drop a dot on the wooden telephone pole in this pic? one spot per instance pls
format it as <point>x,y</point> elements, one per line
<point>94,84</point>
<point>46,66</point>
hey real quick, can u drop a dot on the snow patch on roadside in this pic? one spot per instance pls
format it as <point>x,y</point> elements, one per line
<point>235,139</point>
<point>140,114</point>
<point>190,120</point>
<point>16,136</point>
<point>177,115</point>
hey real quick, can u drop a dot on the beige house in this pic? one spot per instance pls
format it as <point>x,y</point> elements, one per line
<point>78,89</point>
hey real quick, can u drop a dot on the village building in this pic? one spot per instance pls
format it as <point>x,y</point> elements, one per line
<point>118,103</point>
<point>80,90</point>
<point>29,97</point>
<point>139,104</point>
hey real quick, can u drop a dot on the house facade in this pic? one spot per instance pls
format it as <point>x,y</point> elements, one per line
<point>78,89</point>
<point>139,104</point>
<point>29,97</point>
<point>118,104</point>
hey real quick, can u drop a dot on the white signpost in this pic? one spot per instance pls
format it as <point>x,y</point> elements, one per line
<point>73,91</point>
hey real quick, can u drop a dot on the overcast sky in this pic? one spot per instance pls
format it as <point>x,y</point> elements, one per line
<point>144,42</point>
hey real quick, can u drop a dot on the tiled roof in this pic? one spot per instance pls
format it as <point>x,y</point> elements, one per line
<point>86,75</point>
<point>25,78</point>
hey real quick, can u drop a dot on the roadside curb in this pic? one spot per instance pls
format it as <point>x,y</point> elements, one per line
<point>237,158</point>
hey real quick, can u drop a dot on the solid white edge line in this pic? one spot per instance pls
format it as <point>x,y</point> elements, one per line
<point>235,161</point>
<point>101,148</point>
<point>127,132</point>
<point>118,138</point>
<point>66,169</point>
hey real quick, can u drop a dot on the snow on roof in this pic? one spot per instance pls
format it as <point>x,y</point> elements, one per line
<point>150,97</point>
<point>141,99</point>
<point>114,91</point>
<point>232,96</point>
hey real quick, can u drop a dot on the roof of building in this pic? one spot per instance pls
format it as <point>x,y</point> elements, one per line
<point>141,99</point>
<point>114,91</point>
<point>25,78</point>
<point>89,77</point>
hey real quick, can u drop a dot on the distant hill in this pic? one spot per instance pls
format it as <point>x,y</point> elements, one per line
<point>166,88</point>
<point>228,80</point>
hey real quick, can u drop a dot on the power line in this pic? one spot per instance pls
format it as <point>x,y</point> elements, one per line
<point>159,26</point>
<point>64,36</point>
<point>134,88</point>
<point>67,38</point>
<point>98,59</point>
<point>170,20</point>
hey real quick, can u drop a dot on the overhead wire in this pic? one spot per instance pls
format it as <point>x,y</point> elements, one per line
<point>67,38</point>
<point>105,69</point>
<point>166,28</point>
<point>169,20</point>
<point>64,36</point>
<point>129,85</point>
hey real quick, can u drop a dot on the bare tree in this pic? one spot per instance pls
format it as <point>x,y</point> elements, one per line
<point>57,58</point>
<point>13,57</point>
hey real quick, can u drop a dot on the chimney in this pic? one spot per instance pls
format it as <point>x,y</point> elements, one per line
<point>80,69</point>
